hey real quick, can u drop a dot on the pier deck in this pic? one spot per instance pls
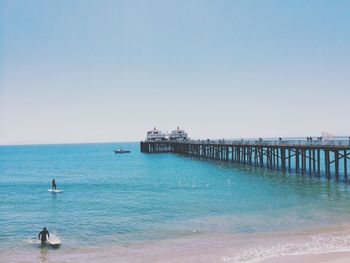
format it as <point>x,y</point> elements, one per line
<point>319,157</point>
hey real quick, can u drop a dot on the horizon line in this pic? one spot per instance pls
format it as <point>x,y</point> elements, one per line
<point>62,143</point>
<point>134,141</point>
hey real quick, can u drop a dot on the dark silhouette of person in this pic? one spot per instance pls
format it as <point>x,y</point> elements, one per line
<point>43,235</point>
<point>53,184</point>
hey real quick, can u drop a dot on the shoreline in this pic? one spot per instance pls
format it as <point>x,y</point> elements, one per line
<point>54,256</point>
<point>330,245</point>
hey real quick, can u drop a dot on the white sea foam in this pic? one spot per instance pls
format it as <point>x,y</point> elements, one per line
<point>318,244</point>
<point>204,249</point>
<point>32,241</point>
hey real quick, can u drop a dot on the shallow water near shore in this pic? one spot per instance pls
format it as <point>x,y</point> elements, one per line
<point>166,202</point>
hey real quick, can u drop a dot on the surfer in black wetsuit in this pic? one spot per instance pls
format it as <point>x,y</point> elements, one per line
<point>43,235</point>
<point>53,184</point>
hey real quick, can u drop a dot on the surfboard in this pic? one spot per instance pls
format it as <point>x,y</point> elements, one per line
<point>53,241</point>
<point>55,191</point>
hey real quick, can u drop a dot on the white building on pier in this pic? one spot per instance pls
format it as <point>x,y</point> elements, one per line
<point>175,135</point>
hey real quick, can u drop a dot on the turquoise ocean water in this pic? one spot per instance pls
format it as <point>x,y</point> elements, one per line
<point>130,198</point>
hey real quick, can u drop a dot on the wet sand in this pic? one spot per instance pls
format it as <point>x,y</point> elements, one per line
<point>321,245</point>
<point>138,256</point>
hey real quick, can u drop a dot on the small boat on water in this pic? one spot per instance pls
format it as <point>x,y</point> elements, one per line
<point>121,151</point>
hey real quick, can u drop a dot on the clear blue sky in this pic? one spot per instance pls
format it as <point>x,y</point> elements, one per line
<point>86,71</point>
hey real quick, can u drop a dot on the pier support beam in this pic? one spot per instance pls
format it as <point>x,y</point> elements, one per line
<point>345,166</point>
<point>336,164</point>
<point>297,160</point>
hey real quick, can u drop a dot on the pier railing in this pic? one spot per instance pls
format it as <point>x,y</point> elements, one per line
<point>292,142</point>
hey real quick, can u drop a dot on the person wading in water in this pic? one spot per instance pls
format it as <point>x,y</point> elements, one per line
<point>43,236</point>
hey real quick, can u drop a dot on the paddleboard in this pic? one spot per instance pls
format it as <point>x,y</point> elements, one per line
<point>55,191</point>
<point>53,241</point>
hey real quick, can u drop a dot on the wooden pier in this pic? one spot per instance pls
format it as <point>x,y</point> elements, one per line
<point>329,158</point>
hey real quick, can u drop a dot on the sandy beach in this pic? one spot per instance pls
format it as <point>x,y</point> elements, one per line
<point>277,248</point>
<point>336,257</point>
<point>139,256</point>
